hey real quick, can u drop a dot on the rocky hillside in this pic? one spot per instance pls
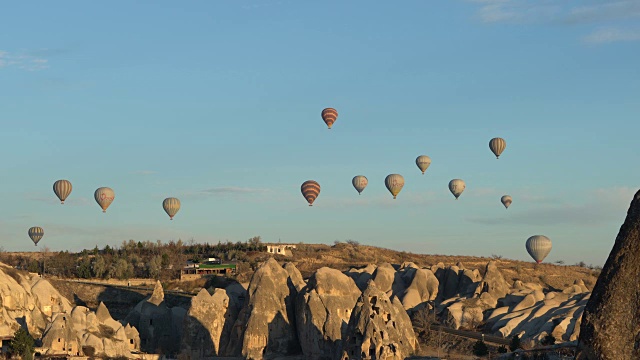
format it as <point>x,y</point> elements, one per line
<point>28,301</point>
<point>361,313</point>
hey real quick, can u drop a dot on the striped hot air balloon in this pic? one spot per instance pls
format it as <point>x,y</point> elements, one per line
<point>538,246</point>
<point>36,233</point>
<point>360,182</point>
<point>104,197</point>
<point>506,201</point>
<point>310,190</point>
<point>171,206</point>
<point>329,115</point>
<point>457,186</point>
<point>497,146</point>
<point>62,189</point>
<point>394,183</point>
<point>423,162</point>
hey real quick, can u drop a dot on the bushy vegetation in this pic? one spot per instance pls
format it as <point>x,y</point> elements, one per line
<point>22,344</point>
<point>151,260</point>
<point>515,343</point>
<point>480,348</point>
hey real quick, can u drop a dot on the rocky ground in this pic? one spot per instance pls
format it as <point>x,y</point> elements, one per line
<point>321,312</point>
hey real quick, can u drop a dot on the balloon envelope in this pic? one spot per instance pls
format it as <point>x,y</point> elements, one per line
<point>506,201</point>
<point>62,189</point>
<point>104,197</point>
<point>329,115</point>
<point>394,183</point>
<point>310,190</point>
<point>171,206</point>
<point>360,182</point>
<point>497,146</point>
<point>538,246</point>
<point>457,186</point>
<point>423,162</point>
<point>36,233</point>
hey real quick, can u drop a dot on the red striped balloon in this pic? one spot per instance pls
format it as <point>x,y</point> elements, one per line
<point>310,190</point>
<point>329,115</point>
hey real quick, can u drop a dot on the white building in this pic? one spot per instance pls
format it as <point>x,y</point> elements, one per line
<point>280,249</point>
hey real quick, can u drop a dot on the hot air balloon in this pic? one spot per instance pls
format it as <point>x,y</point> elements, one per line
<point>394,184</point>
<point>506,201</point>
<point>329,115</point>
<point>171,206</point>
<point>423,162</point>
<point>360,182</point>
<point>457,186</point>
<point>62,189</point>
<point>36,233</point>
<point>310,190</point>
<point>497,145</point>
<point>538,246</point>
<point>104,197</point>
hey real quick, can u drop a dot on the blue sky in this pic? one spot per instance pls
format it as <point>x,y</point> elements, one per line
<point>218,103</point>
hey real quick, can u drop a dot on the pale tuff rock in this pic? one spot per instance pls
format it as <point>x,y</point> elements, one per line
<point>208,325</point>
<point>29,299</point>
<point>378,329</point>
<point>610,328</point>
<point>84,333</point>
<point>493,282</point>
<point>423,287</point>
<point>323,309</point>
<point>295,277</point>
<point>157,323</point>
<point>362,276</point>
<point>266,324</point>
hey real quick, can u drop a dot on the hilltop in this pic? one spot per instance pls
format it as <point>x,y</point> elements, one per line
<point>162,261</point>
<point>345,255</point>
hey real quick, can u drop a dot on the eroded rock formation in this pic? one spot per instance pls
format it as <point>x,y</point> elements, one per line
<point>610,327</point>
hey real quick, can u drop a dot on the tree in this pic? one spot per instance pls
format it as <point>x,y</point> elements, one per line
<point>154,266</point>
<point>100,266</point>
<point>84,269</point>
<point>515,343</point>
<point>121,269</point>
<point>22,344</point>
<point>480,348</point>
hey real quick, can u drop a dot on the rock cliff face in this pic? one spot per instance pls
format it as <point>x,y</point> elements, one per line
<point>208,325</point>
<point>27,300</point>
<point>84,333</point>
<point>610,327</point>
<point>323,309</point>
<point>160,327</point>
<point>378,329</point>
<point>266,324</point>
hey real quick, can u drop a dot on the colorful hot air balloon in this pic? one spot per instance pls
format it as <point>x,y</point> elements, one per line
<point>506,201</point>
<point>497,146</point>
<point>329,115</point>
<point>360,182</point>
<point>36,233</point>
<point>538,246</point>
<point>310,190</point>
<point>62,189</point>
<point>394,184</point>
<point>104,197</point>
<point>171,206</point>
<point>423,162</point>
<point>457,186</point>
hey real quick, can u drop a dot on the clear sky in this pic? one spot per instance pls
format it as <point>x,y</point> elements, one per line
<point>218,103</point>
